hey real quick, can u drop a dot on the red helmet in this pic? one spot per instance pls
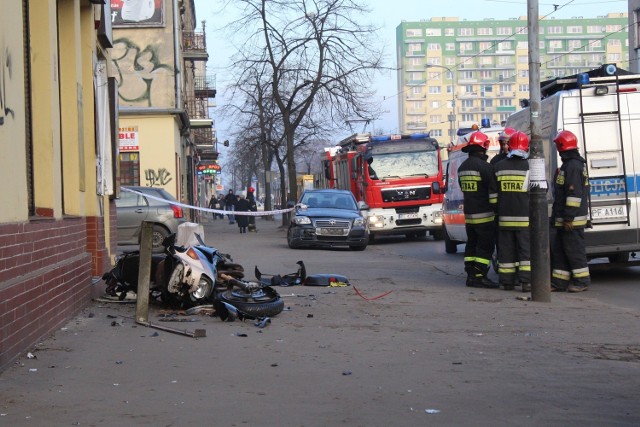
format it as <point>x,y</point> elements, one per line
<point>565,141</point>
<point>478,139</point>
<point>250,190</point>
<point>506,134</point>
<point>519,141</point>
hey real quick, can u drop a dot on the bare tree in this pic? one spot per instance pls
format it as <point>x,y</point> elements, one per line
<point>320,56</point>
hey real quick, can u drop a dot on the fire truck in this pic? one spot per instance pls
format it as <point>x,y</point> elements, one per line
<point>396,179</point>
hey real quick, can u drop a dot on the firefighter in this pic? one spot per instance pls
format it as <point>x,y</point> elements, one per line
<point>569,216</point>
<point>478,183</point>
<point>503,139</point>
<point>512,174</point>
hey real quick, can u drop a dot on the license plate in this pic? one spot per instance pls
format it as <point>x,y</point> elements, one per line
<point>408,216</point>
<point>609,212</point>
<point>331,231</point>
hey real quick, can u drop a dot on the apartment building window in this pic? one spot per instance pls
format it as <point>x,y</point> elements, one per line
<point>613,28</point>
<point>594,29</point>
<point>468,117</point>
<point>523,30</point>
<point>504,31</point>
<point>433,32</point>
<point>433,46</point>
<point>504,45</point>
<point>449,88</point>
<point>465,31</point>
<point>467,103</point>
<point>505,60</point>
<point>504,117</point>
<point>450,61</point>
<point>467,75</point>
<point>485,31</point>
<point>574,29</point>
<point>486,103</point>
<point>435,75</point>
<point>486,74</point>
<point>595,43</point>
<point>435,104</point>
<point>614,57</point>
<point>416,90</point>
<point>485,46</point>
<point>572,59</point>
<point>555,45</point>
<point>435,118</point>
<point>597,57</point>
<point>486,88</point>
<point>450,46</point>
<point>506,102</point>
<point>523,59</point>
<point>486,60</point>
<point>417,105</point>
<point>468,88</point>
<point>523,88</point>
<point>505,88</point>
<point>466,46</point>
<point>613,43</point>
<point>449,32</point>
<point>435,89</point>
<point>575,44</point>
<point>554,30</point>
<point>415,76</point>
<point>523,45</point>
<point>433,61</point>
<point>435,132</point>
<point>416,62</point>
<point>414,32</point>
<point>414,47</point>
<point>524,73</point>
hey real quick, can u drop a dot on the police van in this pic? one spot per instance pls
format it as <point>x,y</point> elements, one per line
<point>602,108</point>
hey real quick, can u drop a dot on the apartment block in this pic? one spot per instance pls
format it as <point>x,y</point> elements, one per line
<point>454,72</point>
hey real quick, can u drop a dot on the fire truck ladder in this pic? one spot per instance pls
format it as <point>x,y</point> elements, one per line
<point>623,177</point>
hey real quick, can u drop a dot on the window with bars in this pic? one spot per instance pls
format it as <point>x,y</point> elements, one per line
<point>130,168</point>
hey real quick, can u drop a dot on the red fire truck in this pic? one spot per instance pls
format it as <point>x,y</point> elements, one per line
<point>397,177</point>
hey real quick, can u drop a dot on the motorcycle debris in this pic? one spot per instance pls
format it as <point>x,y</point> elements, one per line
<point>263,323</point>
<point>201,309</point>
<point>31,356</point>
<point>240,334</point>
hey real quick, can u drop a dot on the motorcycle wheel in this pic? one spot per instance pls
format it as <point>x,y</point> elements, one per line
<point>263,303</point>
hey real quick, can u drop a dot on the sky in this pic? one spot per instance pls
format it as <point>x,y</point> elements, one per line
<point>388,15</point>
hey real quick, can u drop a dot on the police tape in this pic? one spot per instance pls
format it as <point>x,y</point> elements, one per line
<point>218,211</point>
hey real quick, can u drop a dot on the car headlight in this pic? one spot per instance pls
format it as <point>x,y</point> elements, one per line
<point>373,219</point>
<point>358,222</point>
<point>299,220</point>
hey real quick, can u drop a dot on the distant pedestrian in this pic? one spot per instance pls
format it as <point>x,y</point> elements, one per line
<point>253,207</point>
<point>242,205</point>
<point>478,184</point>
<point>569,216</point>
<point>514,255</point>
<point>213,204</point>
<point>229,205</point>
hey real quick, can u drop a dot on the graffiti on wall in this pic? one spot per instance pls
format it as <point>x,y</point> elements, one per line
<point>5,81</point>
<point>141,72</point>
<point>157,177</point>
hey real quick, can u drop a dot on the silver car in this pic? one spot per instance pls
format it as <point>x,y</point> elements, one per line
<point>134,208</point>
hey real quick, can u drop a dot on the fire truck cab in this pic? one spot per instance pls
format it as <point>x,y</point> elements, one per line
<point>397,180</point>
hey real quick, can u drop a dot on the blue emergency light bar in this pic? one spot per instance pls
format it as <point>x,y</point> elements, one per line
<point>380,138</point>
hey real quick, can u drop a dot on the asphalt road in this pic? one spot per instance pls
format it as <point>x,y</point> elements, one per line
<point>428,351</point>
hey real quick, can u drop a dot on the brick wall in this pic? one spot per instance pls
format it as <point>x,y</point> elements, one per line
<point>45,278</point>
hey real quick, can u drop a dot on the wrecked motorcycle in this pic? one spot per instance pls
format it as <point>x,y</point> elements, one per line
<point>186,276</point>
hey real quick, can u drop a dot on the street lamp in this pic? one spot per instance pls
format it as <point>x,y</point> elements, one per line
<point>452,116</point>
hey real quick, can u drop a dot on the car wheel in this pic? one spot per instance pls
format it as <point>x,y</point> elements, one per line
<point>159,234</point>
<point>290,240</point>
<point>450,246</point>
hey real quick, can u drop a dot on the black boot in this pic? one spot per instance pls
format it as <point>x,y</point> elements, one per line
<point>485,282</point>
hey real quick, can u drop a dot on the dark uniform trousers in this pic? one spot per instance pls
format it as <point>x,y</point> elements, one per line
<point>481,239</point>
<point>514,255</point>
<point>569,260</point>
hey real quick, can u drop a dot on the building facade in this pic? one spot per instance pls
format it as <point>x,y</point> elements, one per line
<point>454,73</point>
<point>57,129</point>
<point>165,129</point>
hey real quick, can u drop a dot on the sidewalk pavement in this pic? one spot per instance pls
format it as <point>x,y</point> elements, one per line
<point>430,352</point>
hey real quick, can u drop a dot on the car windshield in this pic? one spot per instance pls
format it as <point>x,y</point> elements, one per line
<point>329,200</point>
<point>404,164</point>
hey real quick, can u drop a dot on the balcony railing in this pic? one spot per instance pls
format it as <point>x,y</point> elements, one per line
<point>204,86</point>
<point>205,136</point>
<point>194,45</point>
<point>197,108</point>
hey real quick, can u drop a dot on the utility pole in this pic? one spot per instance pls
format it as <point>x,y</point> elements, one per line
<point>538,210</point>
